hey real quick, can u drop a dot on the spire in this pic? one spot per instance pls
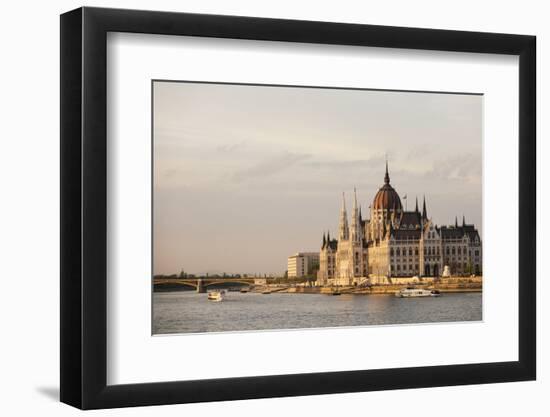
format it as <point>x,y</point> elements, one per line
<point>416,205</point>
<point>387,176</point>
<point>463,221</point>
<point>328,236</point>
<point>324,241</point>
<point>424,213</point>
<point>456,221</point>
<point>355,223</point>
<point>343,228</point>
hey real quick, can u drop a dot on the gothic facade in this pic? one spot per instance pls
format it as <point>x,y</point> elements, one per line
<point>395,243</point>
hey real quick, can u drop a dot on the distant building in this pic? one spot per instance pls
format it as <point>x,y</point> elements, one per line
<point>396,243</point>
<point>302,264</point>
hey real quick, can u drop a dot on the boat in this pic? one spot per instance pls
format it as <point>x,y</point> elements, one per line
<point>266,292</point>
<point>216,295</point>
<point>336,293</point>
<point>416,292</point>
<point>244,290</point>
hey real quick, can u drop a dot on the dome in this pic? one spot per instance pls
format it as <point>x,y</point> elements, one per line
<point>387,198</point>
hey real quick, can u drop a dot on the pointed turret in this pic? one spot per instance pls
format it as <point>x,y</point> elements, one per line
<point>328,236</point>
<point>456,222</point>
<point>343,228</point>
<point>463,221</point>
<point>324,241</point>
<point>416,205</point>
<point>355,220</point>
<point>387,176</point>
<point>424,212</point>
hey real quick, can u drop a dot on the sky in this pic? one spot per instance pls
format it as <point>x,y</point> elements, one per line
<point>245,176</point>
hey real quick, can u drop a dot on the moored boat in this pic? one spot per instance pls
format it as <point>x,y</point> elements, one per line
<point>416,292</point>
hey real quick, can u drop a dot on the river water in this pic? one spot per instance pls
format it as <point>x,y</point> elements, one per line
<point>189,312</point>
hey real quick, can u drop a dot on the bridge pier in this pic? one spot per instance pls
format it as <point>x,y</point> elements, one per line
<point>200,286</point>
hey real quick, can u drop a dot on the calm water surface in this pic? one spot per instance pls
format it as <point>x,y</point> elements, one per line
<point>189,312</point>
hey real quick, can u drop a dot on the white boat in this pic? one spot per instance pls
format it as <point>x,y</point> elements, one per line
<point>216,295</point>
<point>416,292</point>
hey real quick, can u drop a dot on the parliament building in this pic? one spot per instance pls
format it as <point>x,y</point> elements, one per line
<point>394,243</point>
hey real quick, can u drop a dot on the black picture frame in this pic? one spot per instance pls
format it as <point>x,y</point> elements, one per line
<point>84,207</point>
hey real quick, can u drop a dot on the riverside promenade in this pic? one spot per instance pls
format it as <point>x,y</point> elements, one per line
<point>444,285</point>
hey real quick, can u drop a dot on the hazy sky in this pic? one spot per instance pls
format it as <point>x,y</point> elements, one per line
<point>245,176</point>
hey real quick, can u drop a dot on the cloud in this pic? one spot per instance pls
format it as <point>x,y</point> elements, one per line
<point>464,167</point>
<point>232,147</point>
<point>269,166</point>
<point>374,163</point>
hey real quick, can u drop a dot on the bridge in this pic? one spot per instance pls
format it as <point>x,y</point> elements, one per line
<point>202,283</point>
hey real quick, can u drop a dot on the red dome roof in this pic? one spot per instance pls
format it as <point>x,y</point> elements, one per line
<point>387,198</point>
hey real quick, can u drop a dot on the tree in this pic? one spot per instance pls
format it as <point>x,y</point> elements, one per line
<point>469,268</point>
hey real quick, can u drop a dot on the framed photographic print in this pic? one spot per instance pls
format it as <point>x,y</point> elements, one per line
<point>257,207</point>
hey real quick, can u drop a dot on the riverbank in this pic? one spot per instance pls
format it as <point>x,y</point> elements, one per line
<point>444,285</point>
